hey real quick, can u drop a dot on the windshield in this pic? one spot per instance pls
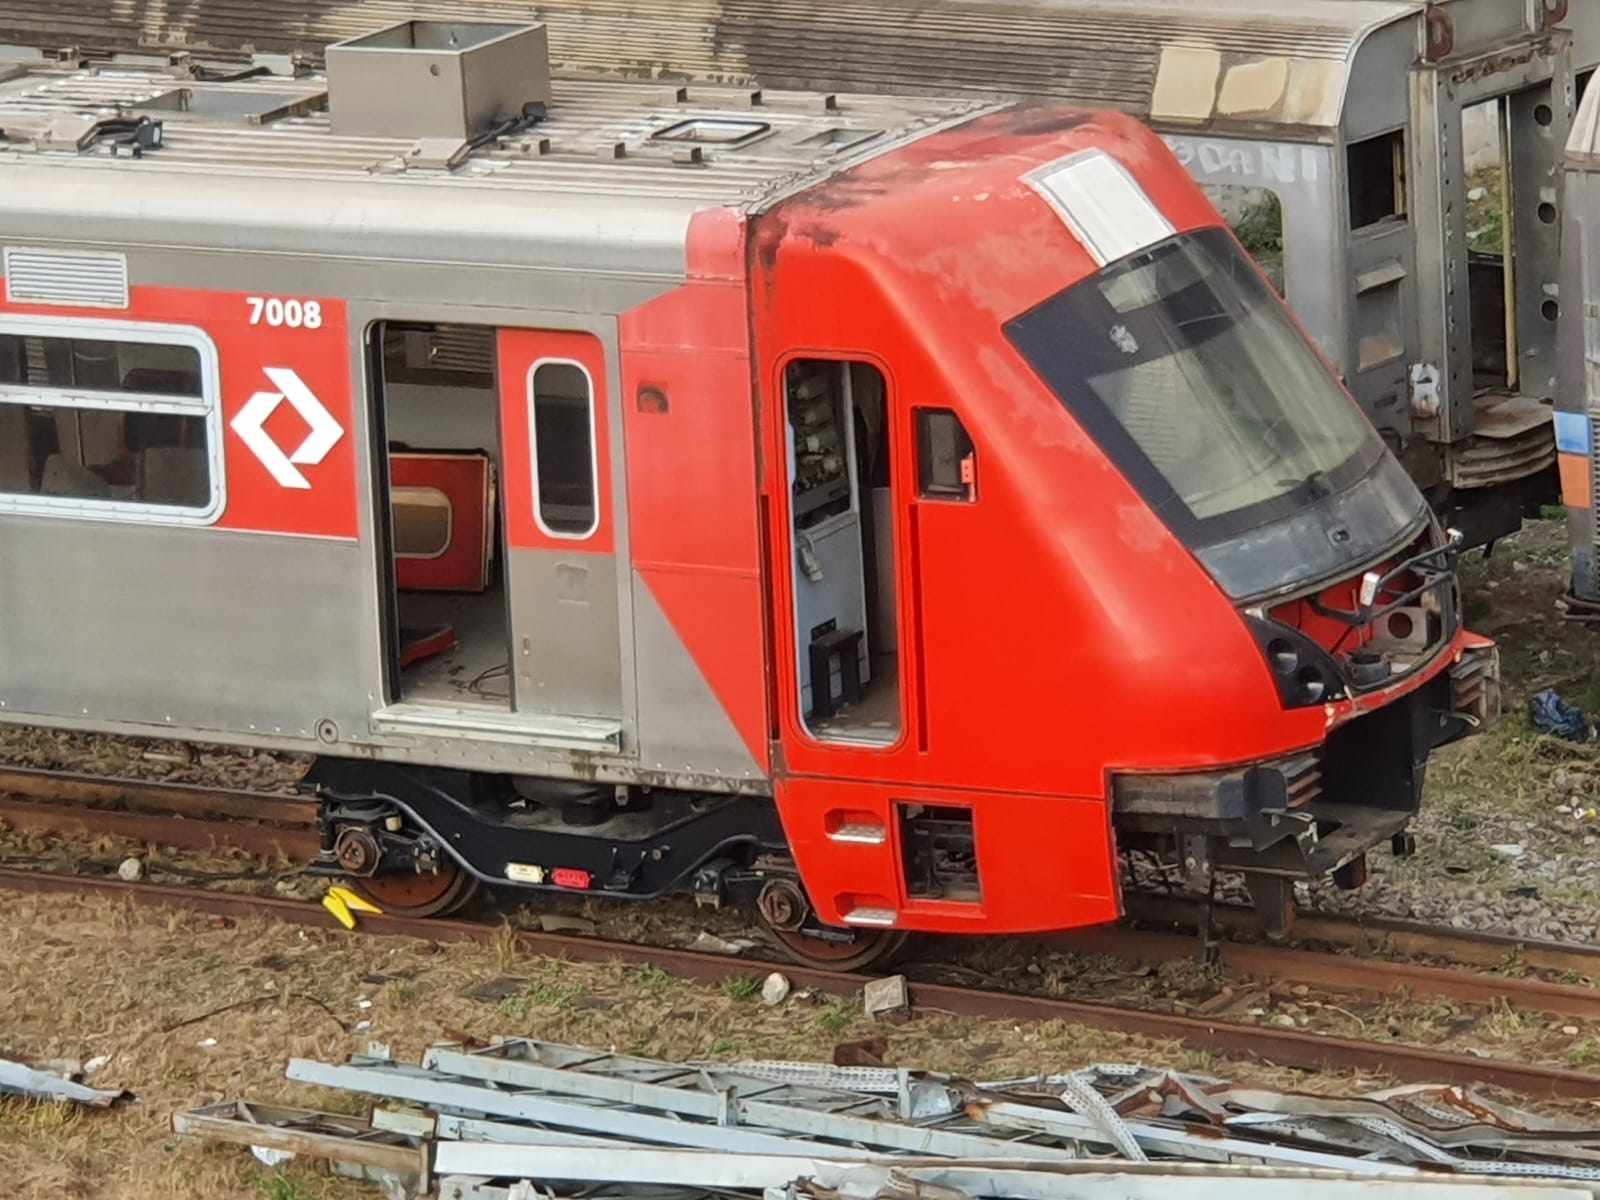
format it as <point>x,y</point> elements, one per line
<point>1189,373</point>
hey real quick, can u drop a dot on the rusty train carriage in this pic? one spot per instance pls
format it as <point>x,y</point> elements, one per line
<point>1334,133</point>
<point>1579,404</point>
<point>628,487</point>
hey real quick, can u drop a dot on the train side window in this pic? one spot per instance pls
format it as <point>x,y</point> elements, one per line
<point>1376,170</point>
<point>111,421</point>
<point>564,467</point>
<point>946,464</point>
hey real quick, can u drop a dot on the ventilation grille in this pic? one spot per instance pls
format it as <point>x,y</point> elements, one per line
<point>1302,777</point>
<point>78,280</point>
<point>1594,466</point>
<point>440,353</point>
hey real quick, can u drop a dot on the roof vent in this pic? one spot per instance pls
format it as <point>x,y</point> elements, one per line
<point>436,79</point>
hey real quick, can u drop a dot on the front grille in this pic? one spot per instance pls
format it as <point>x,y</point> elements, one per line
<point>1302,779</point>
<point>1475,683</point>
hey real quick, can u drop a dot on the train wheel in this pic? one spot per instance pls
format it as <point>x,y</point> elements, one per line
<point>419,895</point>
<point>853,951</point>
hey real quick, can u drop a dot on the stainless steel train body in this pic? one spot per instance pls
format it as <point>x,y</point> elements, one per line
<point>255,247</point>
<point>1350,141</point>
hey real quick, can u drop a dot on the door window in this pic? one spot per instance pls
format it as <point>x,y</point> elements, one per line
<point>841,528</point>
<point>562,422</point>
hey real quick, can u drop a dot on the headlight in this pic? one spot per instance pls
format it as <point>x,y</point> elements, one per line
<point>1302,671</point>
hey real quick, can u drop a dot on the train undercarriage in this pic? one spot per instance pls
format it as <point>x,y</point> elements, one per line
<point>421,841</point>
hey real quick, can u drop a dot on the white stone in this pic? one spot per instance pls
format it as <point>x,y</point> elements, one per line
<point>131,870</point>
<point>775,989</point>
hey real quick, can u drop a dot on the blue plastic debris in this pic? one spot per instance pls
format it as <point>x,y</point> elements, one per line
<point>1551,714</point>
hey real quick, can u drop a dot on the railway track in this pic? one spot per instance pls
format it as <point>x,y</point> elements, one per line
<point>200,818</point>
<point>1284,1047</point>
<point>187,816</point>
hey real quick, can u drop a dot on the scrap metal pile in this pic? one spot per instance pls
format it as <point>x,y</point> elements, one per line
<point>522,1119</point>
<point>56,1081</point>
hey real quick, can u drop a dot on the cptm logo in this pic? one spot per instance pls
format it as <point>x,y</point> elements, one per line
<point>323,435</point>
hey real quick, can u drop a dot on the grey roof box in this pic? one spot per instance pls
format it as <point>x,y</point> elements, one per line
<point>436,79</point>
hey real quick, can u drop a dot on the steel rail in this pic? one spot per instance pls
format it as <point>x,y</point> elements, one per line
<point>1343,973</point>
<point>146,795</point>
<point>195,817</point>
<point>185,833</point>
<point>1367,934</point>
<point>1284,1047</point>
<point>188,816</point>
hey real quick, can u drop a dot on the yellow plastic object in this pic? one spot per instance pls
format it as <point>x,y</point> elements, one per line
<point>356,902</point>
<point>334,903</point>
<point>344,904</point>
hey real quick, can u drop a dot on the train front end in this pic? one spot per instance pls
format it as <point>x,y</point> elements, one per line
<point>1190,376</point>
<point>1185,606</point>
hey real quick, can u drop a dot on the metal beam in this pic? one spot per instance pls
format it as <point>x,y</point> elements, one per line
<point>721,1101</point>
<point>435,1091</point>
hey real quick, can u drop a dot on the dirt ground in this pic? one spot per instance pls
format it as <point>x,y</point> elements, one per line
<point>1509,835</point>
<point>87,978</point>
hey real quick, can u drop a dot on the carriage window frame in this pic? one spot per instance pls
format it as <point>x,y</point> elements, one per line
<point>208,405</point>
<point>533,450</point>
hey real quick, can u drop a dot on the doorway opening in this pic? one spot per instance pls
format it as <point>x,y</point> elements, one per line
<point>841,530</point>
<point>435,388</point>
<point>1491,272</point>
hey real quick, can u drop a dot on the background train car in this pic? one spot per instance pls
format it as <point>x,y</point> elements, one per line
<point>882,510</point>
<point>1578,408</point>
<point>1336,135</point>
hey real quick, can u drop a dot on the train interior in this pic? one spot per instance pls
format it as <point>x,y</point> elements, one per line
<point>436,386</point>
<point>75,452</point>
<point>841,512</point>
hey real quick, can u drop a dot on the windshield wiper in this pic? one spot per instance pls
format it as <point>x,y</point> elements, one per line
<point>1315,484</point>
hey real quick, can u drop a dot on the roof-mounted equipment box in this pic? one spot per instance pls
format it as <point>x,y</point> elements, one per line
<point>443,79</point>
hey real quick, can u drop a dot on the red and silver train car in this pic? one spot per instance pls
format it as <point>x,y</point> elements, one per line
<point>881,510</point>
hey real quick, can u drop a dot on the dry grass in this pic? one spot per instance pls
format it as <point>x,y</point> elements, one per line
<point>93,977</point>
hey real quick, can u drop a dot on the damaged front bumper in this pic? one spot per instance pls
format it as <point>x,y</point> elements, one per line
<point>1320,810</point>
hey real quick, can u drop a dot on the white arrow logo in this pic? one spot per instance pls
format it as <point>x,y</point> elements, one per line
<point>325,431</point>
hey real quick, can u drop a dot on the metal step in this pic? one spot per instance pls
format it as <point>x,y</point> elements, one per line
<point>532,729</point>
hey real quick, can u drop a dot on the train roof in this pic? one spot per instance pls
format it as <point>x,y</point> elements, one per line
<point>705,144</point>
<point>1100,53</point>
<point>611,164</point>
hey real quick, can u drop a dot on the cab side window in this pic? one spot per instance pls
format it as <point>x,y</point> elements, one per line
<point>947,467</point>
